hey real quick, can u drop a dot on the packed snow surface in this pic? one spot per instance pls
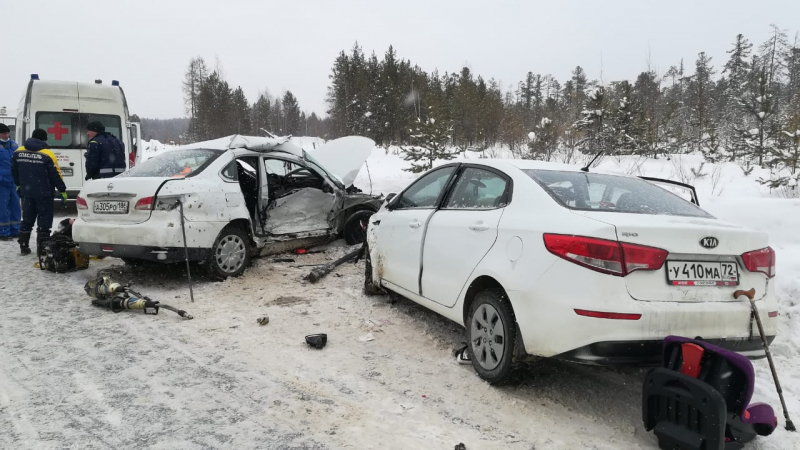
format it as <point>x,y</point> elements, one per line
<point>75,376</point>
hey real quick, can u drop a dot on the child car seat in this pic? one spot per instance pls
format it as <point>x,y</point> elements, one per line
<point>700,398</point>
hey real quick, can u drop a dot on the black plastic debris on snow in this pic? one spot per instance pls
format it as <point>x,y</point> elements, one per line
<point>317,341</point>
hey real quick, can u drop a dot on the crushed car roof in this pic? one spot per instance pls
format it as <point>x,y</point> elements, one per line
<point>341,158</point>
<point>254,143</point>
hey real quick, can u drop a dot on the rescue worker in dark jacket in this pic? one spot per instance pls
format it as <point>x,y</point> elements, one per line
<point>36,173</point>
<point>105,157</point>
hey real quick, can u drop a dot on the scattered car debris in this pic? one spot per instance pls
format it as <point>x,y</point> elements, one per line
<point>461,446</point>
<point>317,341</point>
<point>301,251</point>
<point>263,320</point>
<point>367,337</point>
<point>283,260</point>
<point>320,272</point>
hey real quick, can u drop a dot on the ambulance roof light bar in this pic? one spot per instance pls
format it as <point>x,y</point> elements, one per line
<point>34,76</point>
<point>114,83</point>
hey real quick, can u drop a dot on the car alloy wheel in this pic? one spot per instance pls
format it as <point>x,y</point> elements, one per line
<point>230,253</point>
<point>492,335</point>
<point>488,337</point>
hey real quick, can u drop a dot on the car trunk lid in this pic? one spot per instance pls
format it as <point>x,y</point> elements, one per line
<point>702,252</point>
<point>114,200</point>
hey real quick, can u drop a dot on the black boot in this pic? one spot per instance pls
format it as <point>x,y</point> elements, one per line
<point>40,238</point>
<point>24,242</point>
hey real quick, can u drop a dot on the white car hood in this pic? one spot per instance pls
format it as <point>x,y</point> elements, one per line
<point>343,157</point>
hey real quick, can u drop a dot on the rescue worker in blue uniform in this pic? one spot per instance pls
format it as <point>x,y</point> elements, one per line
<point>105,157</point>
<point>9,200</point>
<point>36,173</point>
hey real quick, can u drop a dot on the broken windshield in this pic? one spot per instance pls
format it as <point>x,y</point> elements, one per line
<point>175,164</point>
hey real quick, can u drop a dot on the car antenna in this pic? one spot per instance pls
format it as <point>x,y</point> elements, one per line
<point>268,133</point>
<point>586,169</point>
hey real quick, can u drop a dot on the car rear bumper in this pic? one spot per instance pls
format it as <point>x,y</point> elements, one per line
<point>552,324</point>
<point>157,232</point>
<point>160,254</point>
<point>648,353</point>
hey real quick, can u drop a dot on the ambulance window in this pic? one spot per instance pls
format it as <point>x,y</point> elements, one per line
<point>111,123</point>
<point>58,126</point>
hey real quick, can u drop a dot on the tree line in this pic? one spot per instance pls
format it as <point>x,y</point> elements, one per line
<point>216,109</point>
<point>746,109</point>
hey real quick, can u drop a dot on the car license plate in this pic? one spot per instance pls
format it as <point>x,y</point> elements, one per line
<point>111,207</point>
<point>66,171</point>
<point>702,273</point>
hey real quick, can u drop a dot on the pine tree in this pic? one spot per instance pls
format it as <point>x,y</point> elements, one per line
<point>700,89</point>
<point>262,115</point>
<point>759,139</point>
<point>738,70</point>
<point>647,93</point>
<point>772,54</point>
<point>196,73</point>
<point>627,136</point>
<point>429,141</point>
<point>599,135</point>
<point>543,140</point>
<point>291,113</point>
<point>240,112</point>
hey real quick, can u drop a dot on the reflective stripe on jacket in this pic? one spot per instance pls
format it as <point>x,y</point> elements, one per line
<point>35,170</point>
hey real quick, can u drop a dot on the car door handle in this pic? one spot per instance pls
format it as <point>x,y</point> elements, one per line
<point>414,225</point>
<point>478,226</point>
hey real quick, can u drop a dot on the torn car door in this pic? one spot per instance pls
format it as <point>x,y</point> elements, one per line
<point>302,211</point>
<point>295,204</point>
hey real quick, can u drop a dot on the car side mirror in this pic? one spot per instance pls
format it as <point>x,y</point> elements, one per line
<point>389,199</point>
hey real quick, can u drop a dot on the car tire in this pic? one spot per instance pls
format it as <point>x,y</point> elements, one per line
<point>355,227</point>
<point>230,254</point>
<point>369,286</point>
<point>491,335</point>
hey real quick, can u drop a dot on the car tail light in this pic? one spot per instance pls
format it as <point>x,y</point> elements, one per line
<point>639,257</point>
<point>760,261</point>
<point>772,314</point>
<point>611,257</point>
<point>80,202</point>
<point>144,204</point>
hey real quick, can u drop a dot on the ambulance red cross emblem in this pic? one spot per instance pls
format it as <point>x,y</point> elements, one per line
<point>57,130</point>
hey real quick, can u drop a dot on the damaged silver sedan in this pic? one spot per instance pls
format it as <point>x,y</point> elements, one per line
<point>241,196</point>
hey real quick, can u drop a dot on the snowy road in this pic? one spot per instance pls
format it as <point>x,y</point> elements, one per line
<point>73,376</point>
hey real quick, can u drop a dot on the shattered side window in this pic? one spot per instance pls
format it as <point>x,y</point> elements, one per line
<point>425,192</point>
<point>478,189</point>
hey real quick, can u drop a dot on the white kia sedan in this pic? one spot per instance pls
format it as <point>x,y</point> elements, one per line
<point>548,259</point>
<point>240,196</point>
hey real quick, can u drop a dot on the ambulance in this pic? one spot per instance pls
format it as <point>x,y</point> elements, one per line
<point>63,108</point>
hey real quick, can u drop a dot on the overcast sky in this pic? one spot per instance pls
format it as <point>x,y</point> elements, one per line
<point>275,46</point>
